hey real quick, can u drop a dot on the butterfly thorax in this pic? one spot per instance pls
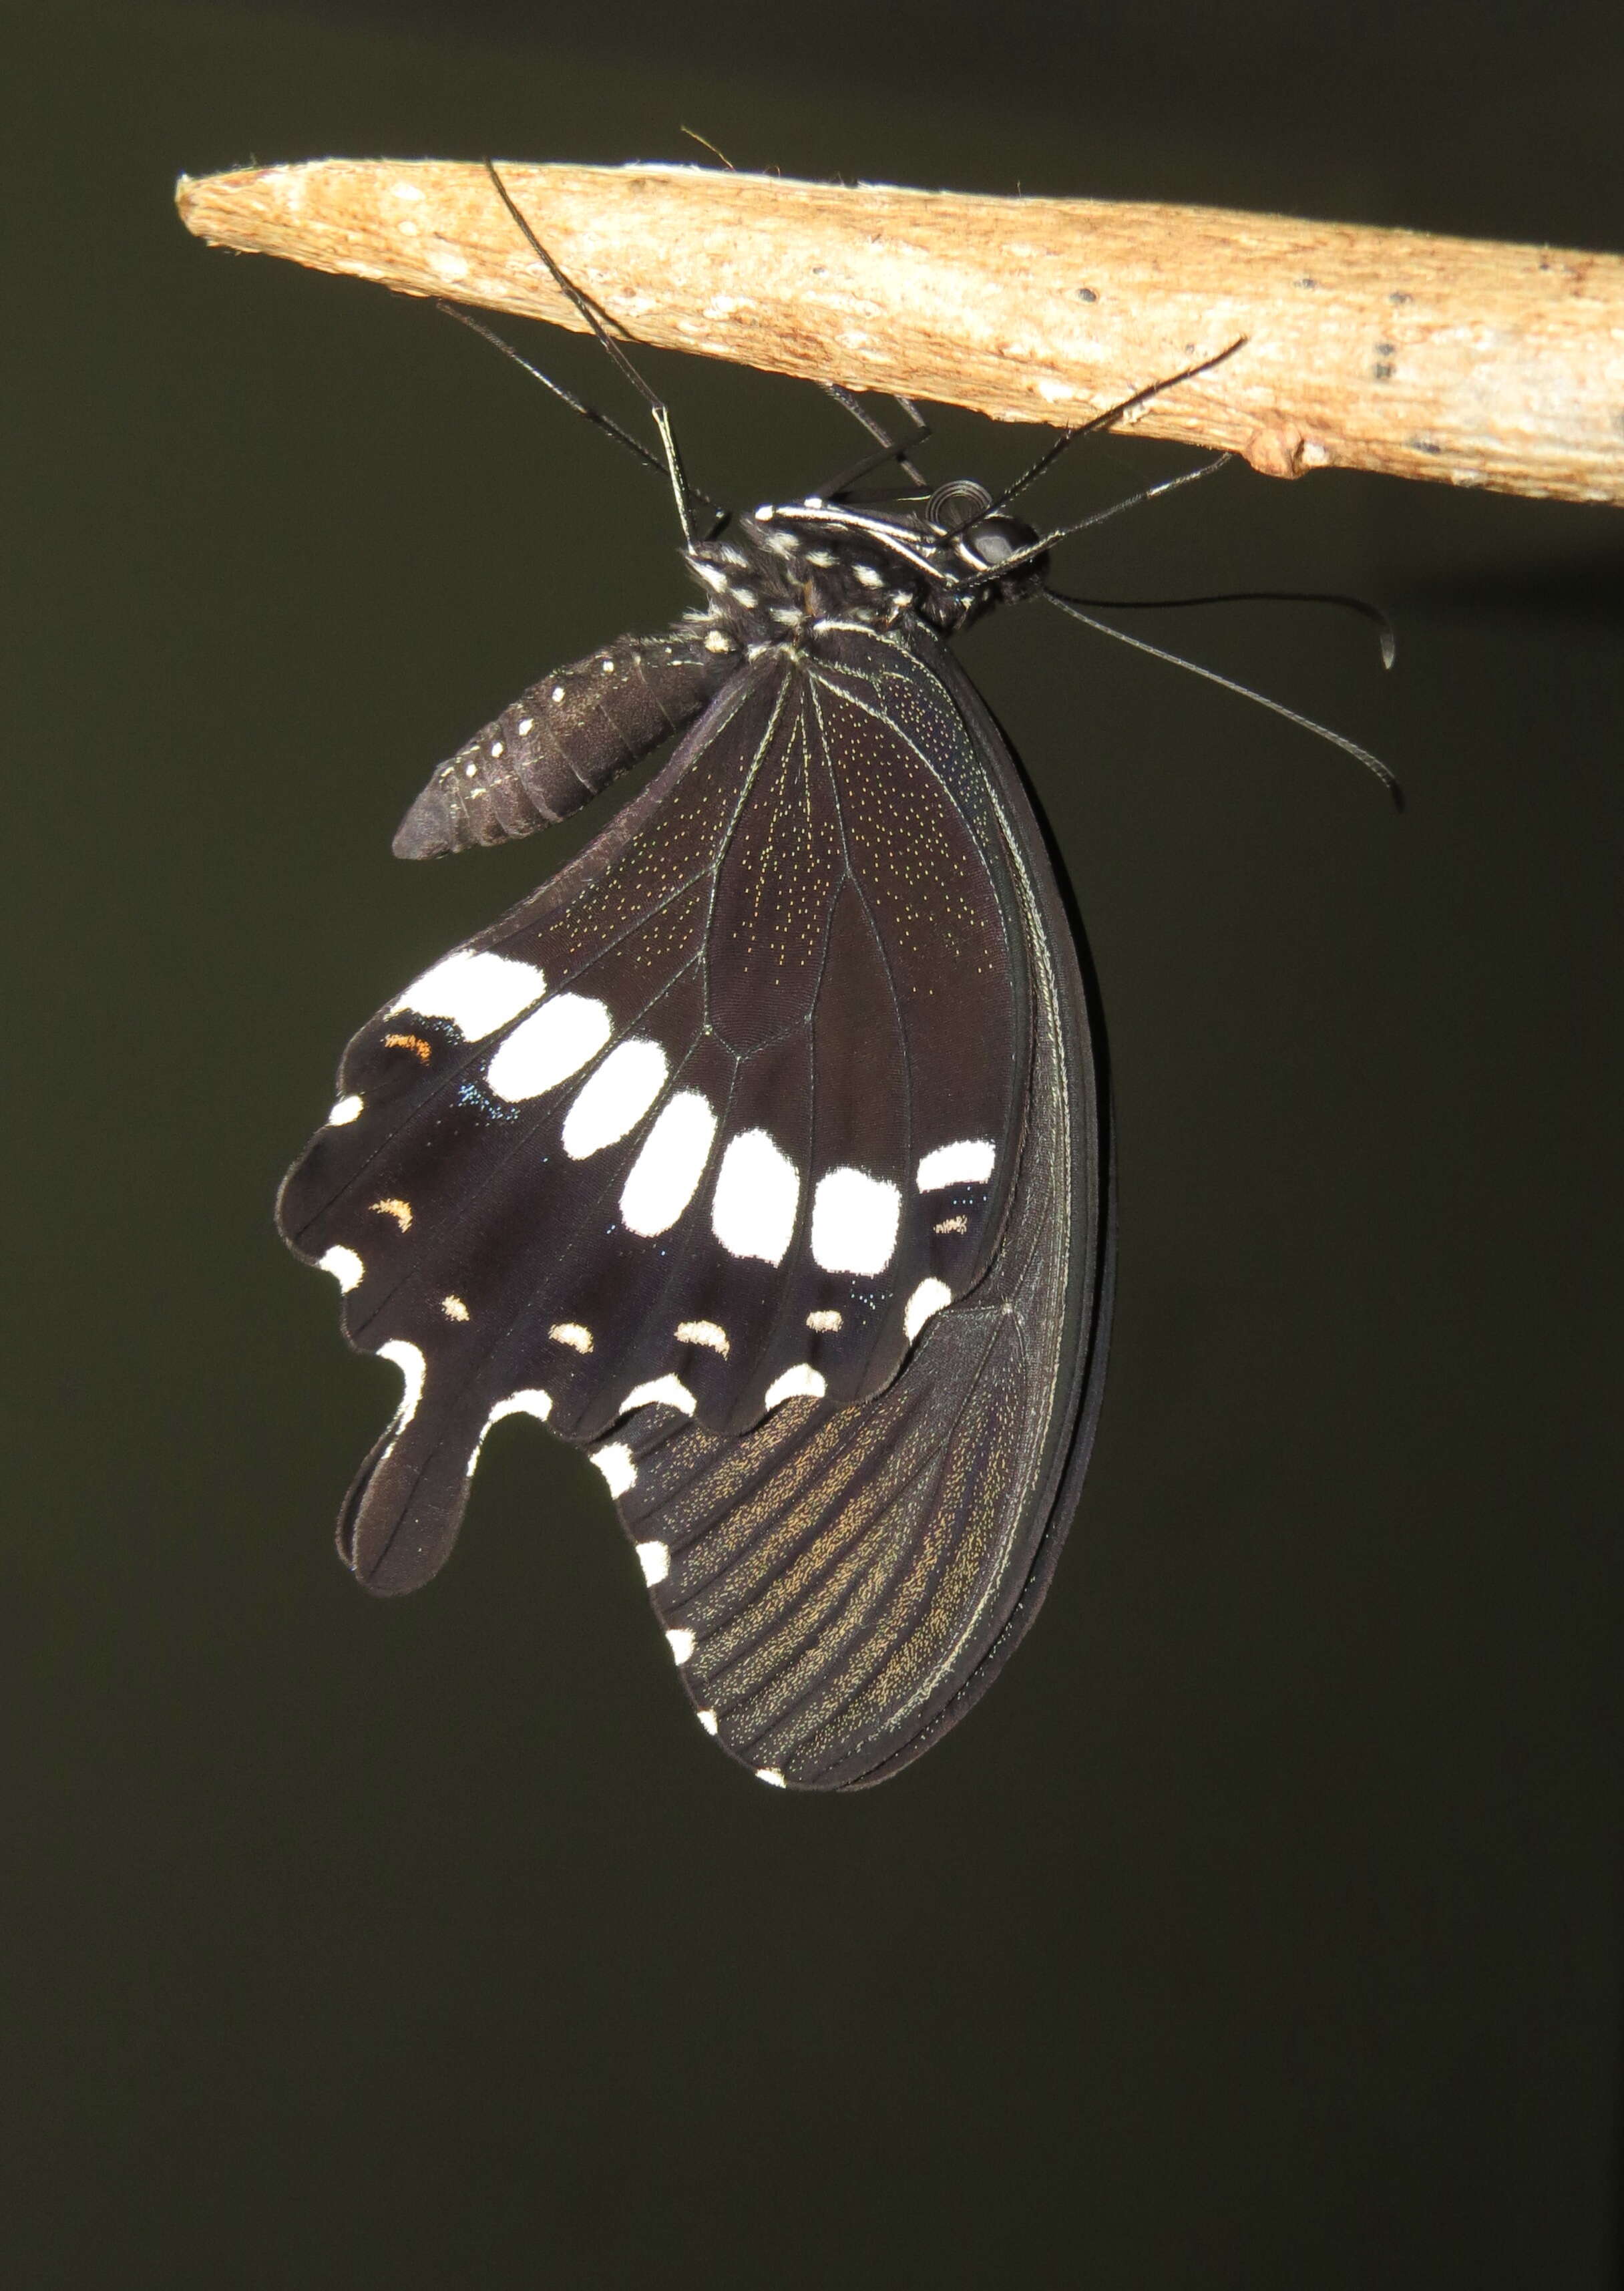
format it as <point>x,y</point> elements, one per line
<point>777,577</point>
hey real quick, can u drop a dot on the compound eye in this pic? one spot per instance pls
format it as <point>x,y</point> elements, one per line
<point>994,541</point>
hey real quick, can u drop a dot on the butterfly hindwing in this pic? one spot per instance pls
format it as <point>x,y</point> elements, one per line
<point>714,1124</point>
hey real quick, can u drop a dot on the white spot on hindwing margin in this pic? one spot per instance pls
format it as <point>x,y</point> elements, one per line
<point>681,1646</point>
<point>666,1176</point>
<point>548,1046</point>
<point>346,1110</point>
<point>927,1300</point>
<point>707,1719</point>
<point>477,992</point>
<point>966,1162</point>
<point>409,1360</point>
<point>853,1222</point>
<point>663,1391</point>
<point>771,1774</point>
<point>345,1266</point>
<point>758,1189</point>
<point>801,1382</point>
<point>530,1402</point>
<point>615,1461</point>
<point>655,1559</point>
<point>616,1097</point>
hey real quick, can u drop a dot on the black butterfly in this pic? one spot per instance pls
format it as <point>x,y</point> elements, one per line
<point>764,1150</point>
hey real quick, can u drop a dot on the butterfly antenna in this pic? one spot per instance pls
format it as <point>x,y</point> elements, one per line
<point>660,413</point>
<point>1385,635</point>
<point>1073,608</point>
<point>1088,428</point>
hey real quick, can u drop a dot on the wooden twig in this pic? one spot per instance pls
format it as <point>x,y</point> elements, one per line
<point>1464,360</point>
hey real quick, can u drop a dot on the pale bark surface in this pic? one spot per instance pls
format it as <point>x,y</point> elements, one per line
<point>1468,361</point>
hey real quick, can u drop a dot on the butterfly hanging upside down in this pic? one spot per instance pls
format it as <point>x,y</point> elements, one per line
<point>763,1152</point>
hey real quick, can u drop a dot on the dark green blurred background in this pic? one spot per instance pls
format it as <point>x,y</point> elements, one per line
<point>1261,1929</point>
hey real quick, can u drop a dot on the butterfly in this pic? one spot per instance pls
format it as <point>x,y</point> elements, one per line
<point>764,1152</point>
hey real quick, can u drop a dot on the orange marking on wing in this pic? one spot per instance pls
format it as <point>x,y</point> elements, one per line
<point>413,1042</point>
<point>401,1211</point>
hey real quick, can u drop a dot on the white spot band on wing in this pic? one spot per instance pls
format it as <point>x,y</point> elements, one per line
<point>655,1560</point>
<point>801,1382</point>
<point>665,1392</point>
<point>703,1332</point>
<point>663,1178</point>
<point>966,1162</point>
<point>853,1222</point>
<point>681,1644</point>
<point>615,1098</point>
<point>927,1300</point>
<point>571,1333</point>
<point>825,1324</point>
<point>753,1211</point>
<point>771,1774</point>
<point>550,1045</point>
<point>477,992</point>
<point>707,1719</point>
<point>345,1266</point>
<point>614,1461</point>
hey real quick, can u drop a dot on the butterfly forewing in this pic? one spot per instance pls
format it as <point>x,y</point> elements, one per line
<point>841,1585</point>
<point>708,1132</point>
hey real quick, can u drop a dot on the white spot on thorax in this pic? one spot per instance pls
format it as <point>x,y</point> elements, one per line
<point>477,992</point>
<point>346,1110</point>
<point>497,747</point>
<point>666,1176</point>
<point>703,1332</point>
<point>927,1300</point>
<point>571,1333</point>
<point>615,1460</point>
<point>525,724</point>
<point>550,1045</point>
<point>345,1266</point>
<point>558,692</point>
<point>752,1212</point>
<point>966,1162</point>
<point>655,1559</point>
<point>615,1098</point>
<point>853,1222</point>
<point>801,1382</point>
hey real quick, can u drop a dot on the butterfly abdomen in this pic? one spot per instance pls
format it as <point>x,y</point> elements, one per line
<point>562,740</point>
